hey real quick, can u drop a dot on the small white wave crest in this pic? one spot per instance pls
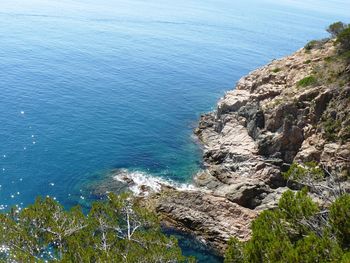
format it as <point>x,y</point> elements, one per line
<point>142,184</point>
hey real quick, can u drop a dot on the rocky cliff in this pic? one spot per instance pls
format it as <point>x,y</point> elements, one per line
<point>295,109</point>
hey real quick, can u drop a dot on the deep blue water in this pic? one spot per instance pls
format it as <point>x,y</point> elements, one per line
<point>87,86</point>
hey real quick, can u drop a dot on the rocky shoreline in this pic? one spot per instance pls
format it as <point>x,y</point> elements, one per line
<point>275,116</point>
<point>258,129</point>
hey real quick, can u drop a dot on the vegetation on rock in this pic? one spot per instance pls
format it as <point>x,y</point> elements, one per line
<point>342,33</point>
<point>335,121</point>
<point>299,229</point>
<point>314,44</point>
<point>307,81</point>
<point>336,28</point>
<point>276,70</point>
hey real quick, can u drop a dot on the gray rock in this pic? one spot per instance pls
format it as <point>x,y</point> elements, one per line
<point>257,131</point>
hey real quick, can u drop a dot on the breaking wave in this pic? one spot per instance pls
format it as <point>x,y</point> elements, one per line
<point>142,184</point>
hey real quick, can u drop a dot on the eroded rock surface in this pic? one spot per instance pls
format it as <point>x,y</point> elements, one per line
<point>188,210</point>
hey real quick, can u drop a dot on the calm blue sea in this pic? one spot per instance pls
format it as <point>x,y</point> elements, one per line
<point>87,86</point>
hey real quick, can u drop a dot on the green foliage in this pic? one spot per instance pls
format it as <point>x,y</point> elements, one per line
<point>345,134</point>
<point>278,236</point>
<point>310,45</point>
<point>315,44</point>
<point>309,171</point>
<point>340,219</point>
<point>307,81</point>
<point>329,59</point>
<point>341,32</point>
<point>333,71</point>
<point>117,230</point>
<point>343,39</point>
<point>313,248</point>
<point>346,55</point>
<point>331,128</point>
<point>297,206</point>
<point>270,241</point>
<point>297,230</point>
<point>234,251</point>
<point>346,258</point>
<point>275,70</point>
<point>336,28</point>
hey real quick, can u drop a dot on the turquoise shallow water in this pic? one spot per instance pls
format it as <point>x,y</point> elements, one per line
<point>89,86</point>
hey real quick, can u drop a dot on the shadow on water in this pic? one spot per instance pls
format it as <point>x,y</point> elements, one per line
<point>192,247</point>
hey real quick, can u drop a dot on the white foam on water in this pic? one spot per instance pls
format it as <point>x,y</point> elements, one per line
<point>142,184</point>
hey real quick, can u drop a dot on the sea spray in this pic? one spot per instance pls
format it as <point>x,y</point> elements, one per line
<point>142,184</point>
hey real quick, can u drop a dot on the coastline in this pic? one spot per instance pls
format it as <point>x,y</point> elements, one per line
<point>258,129</point>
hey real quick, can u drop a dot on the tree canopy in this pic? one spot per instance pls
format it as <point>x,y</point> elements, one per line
<point>336,28</point>
<point>116,230</point>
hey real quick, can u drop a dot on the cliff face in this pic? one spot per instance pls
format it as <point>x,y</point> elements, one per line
<point>295,109</point>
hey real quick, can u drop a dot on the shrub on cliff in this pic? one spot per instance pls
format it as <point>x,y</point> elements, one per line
<point>298,230</point>
<point>315,44</point>
<point>343,39</point>
<point>290,233</point>
<point>340,219</point>
<point>116,230</point>
<point>341,32</point>
<point>307,81</point>
<point>336,28</point>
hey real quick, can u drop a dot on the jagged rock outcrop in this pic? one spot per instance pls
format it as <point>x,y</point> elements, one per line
<point>295,109</point>
<point>281,113</point>
<point>188,210</point>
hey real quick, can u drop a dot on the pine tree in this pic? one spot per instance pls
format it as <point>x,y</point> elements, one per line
<point>116,230</point>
